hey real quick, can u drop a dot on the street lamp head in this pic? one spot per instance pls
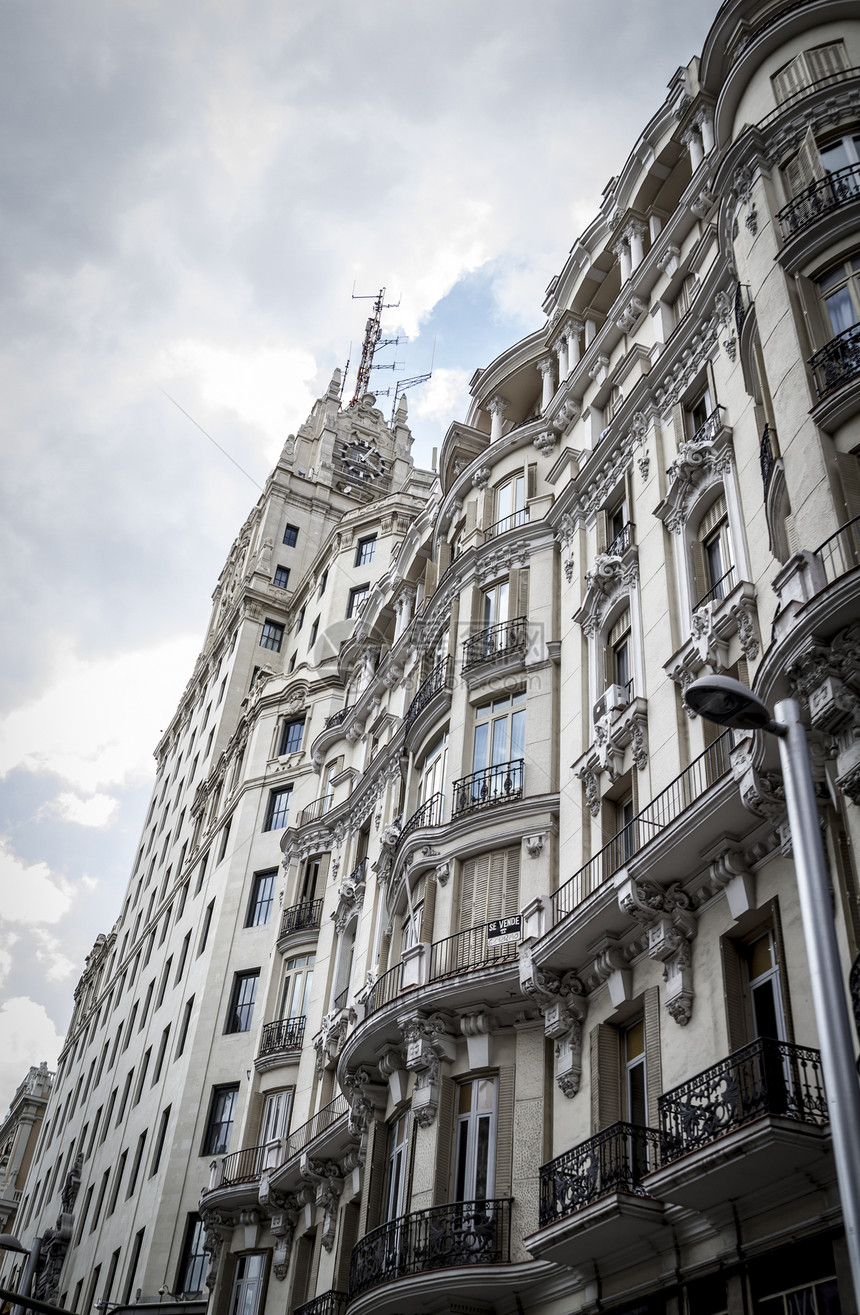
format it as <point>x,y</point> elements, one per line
<point>10,1243</point>
<point>728,703</point>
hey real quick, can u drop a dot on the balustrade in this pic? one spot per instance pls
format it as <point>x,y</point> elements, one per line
<point>301,917</point>
<point>438,679</point>
<point>841,551</point>
<point>327,1303</point>
<point>427,814</point>
<point>615,1160</point>
<point>284,1034</point>
<point>837,362</point>
<point>506,637</point>
<point>497,784</point>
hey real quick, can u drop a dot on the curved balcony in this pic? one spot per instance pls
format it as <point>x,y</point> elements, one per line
<point>463,1234</point>
<point>299,920</point>
<point>512,522</point>
<point>336,718</point>
<point>709,429</point>
<point>502,640</point>
<point>427,814</point>
<point>313,812</point>
<point>327,1303</point>
<point>622,541</point>
<point>837,362</point>
<point>821,198</point>
<point>464,952</point>
<point>439,681</point>
<point>280,1040</point>
<point>489,786</point>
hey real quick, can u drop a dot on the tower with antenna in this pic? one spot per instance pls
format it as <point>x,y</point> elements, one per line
<point>373,341</point>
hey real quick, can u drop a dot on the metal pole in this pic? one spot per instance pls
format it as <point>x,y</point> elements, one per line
<point>828,991</point>
<point>29,1270</point>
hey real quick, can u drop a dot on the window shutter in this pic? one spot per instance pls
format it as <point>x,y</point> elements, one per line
<point>701,584</point>
<point>783,969</point>
<point>426,932</point>
<point>444,557</point>
<point>531,482</point>
<point>848,466</point>
<point>790,79</point>
<point>808,161</point>
<point>734,996</point>
<point>348,1239</point>
<point>602,526</point>
<point>653,1059</point>
<point>384,946</point>
<point>605,1077</point>
<point>376,1160</point>
<point>822,61</point>
<point>410,1169</point>
<point>503,884</point>
<point>523,593</point>
<point>505,1133</point>
<point>621,627</point>
<point>445,1137</point>
<point>716,512</point>
<point>304,1256</point>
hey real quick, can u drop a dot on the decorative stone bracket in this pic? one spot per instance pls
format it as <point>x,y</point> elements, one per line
<point>613,733</point>
<point>330,1038</point>
<point>427,1043</point>
<point>696,466</point>
<point>665,914</point>
<point>714,624</point>
<point>327,1182</point>
<point>350,898</point>
<point>562,1001</point>
<point>608,578</point>
<point>825,679</point>
<point>364,1096</point>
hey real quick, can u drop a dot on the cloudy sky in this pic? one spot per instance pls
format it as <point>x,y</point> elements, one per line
<point>189,193</point>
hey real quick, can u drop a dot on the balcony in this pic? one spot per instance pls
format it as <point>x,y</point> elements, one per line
<point>438,680</point>
<point>327,1303</point>
<point>710,428</point>
<point>511,522</point>
<point>821,198</point>
<point>837,363</point>
<point>662,811</point>
<point>466,1233</point>
<point>718,591</point>
<point>622,541</point>
<point>841,552</point>
<point>427,814</point>
<point>464,952</point>
<point>306,916</point>
<point>759,1115</point>
<point>285,1034</point>
<point>504,639</point>
<point>316,810</point>
<point>321,1121</point>
<point>244,1166</point>
<point>767,455</point>
<point>592,1198</point>
<point>337,718</point>
<point>498,784</point>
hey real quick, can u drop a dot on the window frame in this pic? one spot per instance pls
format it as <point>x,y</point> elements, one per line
<point>215,1142</point>
<point>278,813</point>
<point>281,578</point>
<point>291,536</point>
<point>357,595</point>
<point>243,998</point>
<point>272,635</point>
<point>260,900</point>
<point>365,550</point>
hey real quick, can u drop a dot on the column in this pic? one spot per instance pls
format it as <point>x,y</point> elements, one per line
<point>704,120</point>
<point>692,139</point>
<point>590,330</point>
<point>622,250</point>
<point>573,336</point>
<point>546,369</point>
<point>560,349</point>
<point>635,234</point>
<point>497,406</point>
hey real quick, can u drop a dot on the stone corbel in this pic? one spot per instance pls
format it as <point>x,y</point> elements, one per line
<point>569,411</point>
<point>350,898</point>
<point>364,1096</point>
<point>545,442</point>
<point>826,680</point>
<point>282,1226</point>
<point>599,369</point>
<point>611,966</point>
<point>476,1028</point>
<point>731,873</point>
<point>631,315</point>
<point>392,1066</point>
<point>534,844</point>
<point>427,1043</point>
<point>330,1038</point>
<point>665,913</point>
<point>325,1177</point>
<point>562,1001</point>
<point>216,1228</point>
<point>762,793</point>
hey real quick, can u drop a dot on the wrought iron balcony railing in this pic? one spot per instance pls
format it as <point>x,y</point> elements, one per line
<point>242,1166</point>
<point>438,679</point>
<point>324,1118</point>
<point>709,428</point>
<point>427,814</point>
<point>385,989</point>
<point>829,80</point>
<point>339,1001</point>
<point>622,541</point>
<point>765,1077</point>
<point>442,1237</point>
<point>837,362</point>
<point>313,812</point>
<point>511,522</point>
<point>506,637</point>
<point>820,198</point>
<point>718,591</point>
<point>492,785</point>
<point>327,1303</point>
<point>841,551</point>
<point>301,917</point>
<point>615,1160</point>
<point>336,718</point>
<point>467,951</point>
<point>283,1034</point>
<point>767,456</point>
<point>663,809</point>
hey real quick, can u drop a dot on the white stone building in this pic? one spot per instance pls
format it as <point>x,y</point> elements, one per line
<point>461,968</point>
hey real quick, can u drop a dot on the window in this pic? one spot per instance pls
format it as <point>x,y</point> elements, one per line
<point>291,535</point>
<point>159,1141</point>
<point>163,987</point>
<point>840,293</point>
<point>184,1026</point>
<point>292,663</point>
<point>309,880</point>
<point>291,736</point>
<point>193,1261</point>
<point>111,1275</point>
<point>183,958</point>
<point>813,163</point>
<point>712,555</point>
<point>142,1078</point>
<point>356,598</point>
<point>297,986</point>
<point>496,604</point>
<point>278,810</point>
<point>135,1165</point>
<point>474,1176</point>
<point>242,1001</point>
<point>619,672</point>
<point>117,1182</point>
<point>764,990</point>
<point>489,889</point>
<point>698,414</point>
<point>225,836</point>
<point>808,67</point>
<point>635,1089</point>
<point>162,1047</point>
<point>323,583</point>
<point>314,632</point>
<point>219,1125</point>
<point>394,1202</point>
<point>100,1199</point>
<point>272,636</point>
<point>248,1285</point>
<point>276,1116</point>
<point>204,932</point>
<point>282,577</point>
<point>499,739</point>
<point>624,814</point>
<point>365,551</point>
<point>124,1101</point>
<point>131,1273</point>
<point>617,529</point>
<point>262,894</point>
<point>511,503</point>
<point>301,618</point>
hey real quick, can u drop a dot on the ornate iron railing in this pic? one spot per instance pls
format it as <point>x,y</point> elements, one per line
<point>622,541</point>
<point>428,814</point>
<point>829,80</point>
<point>663,809</point>
<point>837,362</point>
<point>841,552</point>
<point>467,951</point>
<point>438,679</point>
<point>327,1303</point>
<point>315,810</point>
<point>384,989</point>
<point>819,198</point>
<point>301,917</point>
<point>324,1118</point>
<point>708,429</point>
<point>615,1160</point>
<point>336,718</point>
<point>506,637</point>
<point>740,308</point>
<point>766,456</point>
<point>511,522</point>
<point>765,1077</point>
<point>719,590</point>
<point>339,1001</point>
<point>242,1166</point>
<point>283,1034</point>
<point>491,785</point>
<point>445,1236</point>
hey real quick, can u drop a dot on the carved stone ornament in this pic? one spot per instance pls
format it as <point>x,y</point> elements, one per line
<point>216,1226</point>
<point>443,873</point>
<point>545,442</point>
<point>668,261</point>
<point>731,349</point>
<point>612,734</point>
<point>826,681</point>
<point>427,1042</point>
<point>631,315</point>
<point>568,412</point>
<point>665,912</point>
<point>330,1039</point>
<point>591,785</point>
<point>56,1240</point>
<point>562,1001</point>
<point>350,899</point>
<point>762,793</point>
<point>481,477</point>
<point>696,467</point>
<point>326,1178</point>
<point>534,844</point>
<point>607,580</point>
<point>644,463</point>
<point>364,1096</point>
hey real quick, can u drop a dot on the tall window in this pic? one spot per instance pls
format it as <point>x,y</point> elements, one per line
<point>309,880</point>
<point>282,577</point>
<point>432,779</point>
<point>291,535</point>
<point>356,598</point>
<point>635,1090</point>
<point>475,1140</point>
<point>160,1140</point>
<point>496,604</point>
<point>297,986</point>
<point>365,551</point>
<point>219,1125</point>
<point>500,731</point>
<point>616,523</point>
<point>712,555</point>
<point>278,810</point>
<point>840,294</point>
<point>323,583</point>
<point>262,895</point>
<point>619,651</point>
<point>248,1285</point>
<point>291,735</point>
<point>510,503</point>
<point>242,1001</point>
<point>765,995</point>
<point>394,1204</point>
<point>698,413</point>
<point>272,635</point>
<point>193,1261</point>
<point>314,632</point>
<point>276,1116</point>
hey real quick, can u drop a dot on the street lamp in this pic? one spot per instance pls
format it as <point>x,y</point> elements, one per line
<point>10,1243</point>
<point>729,703</point>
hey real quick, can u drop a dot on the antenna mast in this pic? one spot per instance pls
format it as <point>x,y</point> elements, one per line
<point>373,340</point>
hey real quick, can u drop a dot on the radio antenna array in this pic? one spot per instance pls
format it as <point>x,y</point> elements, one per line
<point>373,340</point>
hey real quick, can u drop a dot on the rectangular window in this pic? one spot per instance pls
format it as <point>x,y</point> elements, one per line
<point>204,932</point>
<point>100,1199</point>
<point>159,1142</point>
<point>87,1199</point>
<point>272,636</point>
<point>248,1285</point>
<point>142,1078</point>
<point>184,1026</point>
<point>475,1145</point>
<point>109,1114</point>
<point>146,1003</point>
<point>365,551</point>
<point>262,895</point>
<point>117,1182</point>
<point>314,632</point>
<point>278,811</point>
<point>225,836</point>
<point>124,1101</point>
<point>132,1266</point>
<point>323,583</point>
<point>291,535</point>
<point>163,987</point>
<point>242,1001</point>
<point>219,1125</point>
<point>282,577</point>
<point>810,66</point>
<point>291,736</point>
<point>162,1047</point>
<point>356,599</point>
<point>136,1163</point>
<point>201,873</point>
<point>193,1261</point>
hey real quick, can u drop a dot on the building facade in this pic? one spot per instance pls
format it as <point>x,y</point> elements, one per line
<point>461,967</point>
<point>19,1134</point>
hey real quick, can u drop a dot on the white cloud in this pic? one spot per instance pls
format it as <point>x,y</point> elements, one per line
<point>97,723</point>
<point>30,892</point>
<point>445,395</point>
<point>27,1036</point>
<point>96,811</point>
<point>57,966</point>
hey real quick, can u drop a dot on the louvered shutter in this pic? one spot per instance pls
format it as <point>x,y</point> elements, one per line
<point>429,910</point>
<point>808,162</point>
<point>737,1024</point>
<point>503,886</point>
<point>348,1239</point>
<point>505,1132</point>
<point>522,595</point>
<point>531,484</point>
<point>701,584</point>
<point>823,61</point>
<point>848,466</point>
<point>372,1198</point>
<point>444,1140</point>
<point>605,1077</point>
<point>602,526</point>
<point>653,1057</point>
<point>790,79</point>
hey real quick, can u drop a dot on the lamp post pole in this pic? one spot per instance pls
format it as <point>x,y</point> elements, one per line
<point>29,1270</point>
<point>828,992</point>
